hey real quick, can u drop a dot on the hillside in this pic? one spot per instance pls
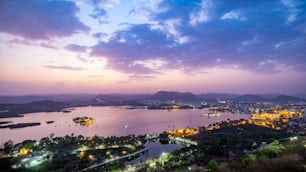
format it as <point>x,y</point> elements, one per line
<point>14,110</point>
<point>286,99</point>
<point>120,99</point>
<point>209,96</point>
<point>250,98</point>
<point>177,96</point>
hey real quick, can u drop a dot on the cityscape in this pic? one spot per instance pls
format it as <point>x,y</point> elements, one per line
<point>152,85</point>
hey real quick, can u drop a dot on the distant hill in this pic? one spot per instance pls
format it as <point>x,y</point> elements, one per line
<point>121,99</point>
<point>286,99</point>
<point>218,96</point>
<point>54,97</point>
<point>279,99</point>
<point>14,110</point>
<point>251,98</point>
<point>177,96</point>
<point>21,99</point>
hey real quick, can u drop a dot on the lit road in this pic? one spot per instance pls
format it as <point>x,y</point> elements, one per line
<point>114,159</point>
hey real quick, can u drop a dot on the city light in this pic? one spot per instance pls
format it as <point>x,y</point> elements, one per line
<point>293,138</point>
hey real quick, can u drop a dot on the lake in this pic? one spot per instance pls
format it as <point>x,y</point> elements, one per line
<point>109,121</point>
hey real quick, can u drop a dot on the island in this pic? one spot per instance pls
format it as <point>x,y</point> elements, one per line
<point>212,114</point>
<point>85,121</point>
<point>49,122</point>
<point>5,122</point>
<point>20,125</point>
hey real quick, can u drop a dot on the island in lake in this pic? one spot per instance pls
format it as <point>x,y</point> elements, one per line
<point>49,122</point>
<point>85,121</point>
<point>20,125</point>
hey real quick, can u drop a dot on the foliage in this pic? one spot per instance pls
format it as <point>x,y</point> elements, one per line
<point>212,165</point>
<point>289,156</point>
<point>271,150</point>
<point>8,146</point>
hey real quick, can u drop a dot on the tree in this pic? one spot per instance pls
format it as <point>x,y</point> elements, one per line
<point>8,146</point>
<point>212,165</point>
<point>271,150</point>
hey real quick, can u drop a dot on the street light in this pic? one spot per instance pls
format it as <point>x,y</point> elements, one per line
<point>293,138</point>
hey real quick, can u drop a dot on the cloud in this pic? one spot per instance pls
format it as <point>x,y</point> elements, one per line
<point>77,48</point>
<point>143,43</point>
<point>292,9</point>
<point>136,77</point>
<point>141,77</point>
<point>38,19</point>
<point>19,41</point>
<point>98,13</point>
<point>233,15</point>
<point>31,43</point>
<point>95,76</point>
<point>194,43</point>
<point>202,14</point>
<point>82,59</point>
<point>63,67</point>
<point>47,46</point>
<point>105,3</point>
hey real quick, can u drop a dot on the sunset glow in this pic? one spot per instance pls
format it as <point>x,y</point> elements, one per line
<point>142,46</point>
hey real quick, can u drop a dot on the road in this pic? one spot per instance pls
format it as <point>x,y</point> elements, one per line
<point>114,159</point>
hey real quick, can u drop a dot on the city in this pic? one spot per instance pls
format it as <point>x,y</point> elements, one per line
<point>224,142</point>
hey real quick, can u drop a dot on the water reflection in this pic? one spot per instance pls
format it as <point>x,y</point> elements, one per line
<point>109,121</point>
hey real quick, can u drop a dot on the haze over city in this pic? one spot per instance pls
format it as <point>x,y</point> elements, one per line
<point>142,46</point>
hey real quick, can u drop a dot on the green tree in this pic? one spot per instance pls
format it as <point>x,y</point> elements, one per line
<point>271,150</point>
<point>212,165</point>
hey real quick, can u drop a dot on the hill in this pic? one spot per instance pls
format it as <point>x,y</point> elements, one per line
<point>176,96</point>
<point>14,110</point>
<point>121,99</point>
<point>210,96</point>
<point>286,99</point>
<point>251,98</point>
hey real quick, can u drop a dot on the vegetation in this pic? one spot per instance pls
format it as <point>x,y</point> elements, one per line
<point>289,156</point>
<point>69,153</point>
<point>229,148</point>
<point>212,165</point>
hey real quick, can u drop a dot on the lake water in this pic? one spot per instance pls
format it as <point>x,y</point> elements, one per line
<point>109,121</point>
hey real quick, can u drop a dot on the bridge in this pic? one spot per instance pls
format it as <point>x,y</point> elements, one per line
<point>182,140</point>
<point>114,159</point>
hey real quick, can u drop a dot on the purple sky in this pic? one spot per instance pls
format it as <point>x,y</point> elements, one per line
<point>142,46</point>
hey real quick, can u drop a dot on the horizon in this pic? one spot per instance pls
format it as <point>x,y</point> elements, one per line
<point>140,47</point>
<point>300,95</point>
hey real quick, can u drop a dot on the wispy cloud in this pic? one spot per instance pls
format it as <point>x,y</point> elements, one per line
<point>19,41</point>
<point>47,46</point>
<point>77,48</point>
<point>95,76</point>
<point>292,9</point>
<point>141,77</point>
<point>63,67</point>
<point>233,15</point>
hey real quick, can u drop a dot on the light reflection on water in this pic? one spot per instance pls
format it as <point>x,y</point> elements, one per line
<point>109,121</point>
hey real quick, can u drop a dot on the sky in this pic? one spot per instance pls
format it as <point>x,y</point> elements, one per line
<point>143,46</point>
